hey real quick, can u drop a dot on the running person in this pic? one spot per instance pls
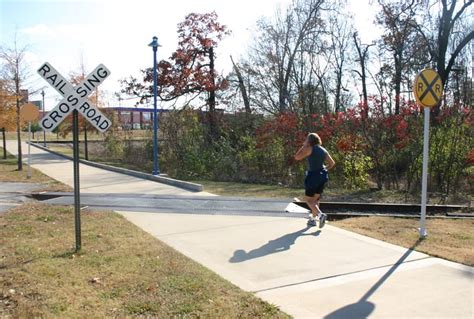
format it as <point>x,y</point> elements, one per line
<point>316,175</point>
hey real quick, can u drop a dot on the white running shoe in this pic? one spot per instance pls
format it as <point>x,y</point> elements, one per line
<point>322,220</point>
<point>311,222</point>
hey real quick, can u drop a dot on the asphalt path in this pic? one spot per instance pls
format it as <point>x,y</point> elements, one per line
<point>15,194</point>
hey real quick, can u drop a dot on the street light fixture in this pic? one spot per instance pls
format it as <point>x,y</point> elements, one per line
<point>154,44</point>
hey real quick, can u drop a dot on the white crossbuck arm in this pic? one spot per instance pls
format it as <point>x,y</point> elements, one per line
<point>74,97</point>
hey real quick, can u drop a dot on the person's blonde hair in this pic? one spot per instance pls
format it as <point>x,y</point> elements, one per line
<point>314,139</point>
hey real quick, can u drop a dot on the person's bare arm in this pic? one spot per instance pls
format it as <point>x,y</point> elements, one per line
<point>330,161</point>
<point>303,152</point>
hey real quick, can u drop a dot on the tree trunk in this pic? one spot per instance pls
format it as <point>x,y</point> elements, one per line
<point>362,57</point>
<point>243,89</point>
<point>18,129</point>
<point>446,23</point>
<point>337,102</point>
<point>398,83</point>
<point>212,99</point>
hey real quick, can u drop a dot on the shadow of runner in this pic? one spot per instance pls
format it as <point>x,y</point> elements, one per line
<point>273,246</point>
<point>363,308</point>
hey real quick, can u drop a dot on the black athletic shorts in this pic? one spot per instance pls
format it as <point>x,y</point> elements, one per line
<point>314,182</point>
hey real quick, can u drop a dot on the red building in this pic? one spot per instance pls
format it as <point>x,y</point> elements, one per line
<point>135,118</point>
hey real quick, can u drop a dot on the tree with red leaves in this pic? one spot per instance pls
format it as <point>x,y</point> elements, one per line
<point>190,71</point>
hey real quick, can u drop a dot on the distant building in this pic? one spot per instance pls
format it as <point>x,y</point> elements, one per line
<point>135,118</point>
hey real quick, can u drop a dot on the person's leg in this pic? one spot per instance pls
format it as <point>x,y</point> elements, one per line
<point>322,216</point>
<point>312,197</point>
<point>313,203</point>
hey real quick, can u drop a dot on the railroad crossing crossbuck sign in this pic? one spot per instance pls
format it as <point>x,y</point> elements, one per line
<point>428,88</point>
<point>74,98</point>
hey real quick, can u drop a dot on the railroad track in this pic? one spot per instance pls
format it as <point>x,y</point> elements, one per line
<point>237,205</point>
<point>405,210</point>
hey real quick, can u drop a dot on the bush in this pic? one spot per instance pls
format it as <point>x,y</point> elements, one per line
<point>381,149</point>
<point>183,152</point>
<point>114,146</point>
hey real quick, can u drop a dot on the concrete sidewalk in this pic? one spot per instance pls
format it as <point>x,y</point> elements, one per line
<point>307,272</point>
<point>92,179</point>
<point>313,273</point>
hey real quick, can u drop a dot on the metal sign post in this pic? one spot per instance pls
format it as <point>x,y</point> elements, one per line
<point>4,144</point>
<point>75,101</point>
<point>424,177</point>
<point>77,201</point>
<point>427,89</point>
<point>28,174</point>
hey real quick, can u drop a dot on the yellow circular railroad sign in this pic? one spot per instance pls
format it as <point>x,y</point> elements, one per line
<point>29,112</point>
<point>428,88</point>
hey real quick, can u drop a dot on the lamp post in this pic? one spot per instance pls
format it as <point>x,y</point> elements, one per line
<point>43,109</point>
<point>154,44</point>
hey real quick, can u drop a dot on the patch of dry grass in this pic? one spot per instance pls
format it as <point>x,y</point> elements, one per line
<point>330,193</point>
<point>120,271</point>
<point>250,190</point>
<point>61,149</point>
<point>451,239</point>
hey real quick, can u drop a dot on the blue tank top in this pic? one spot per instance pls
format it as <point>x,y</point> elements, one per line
<point>316,159</point>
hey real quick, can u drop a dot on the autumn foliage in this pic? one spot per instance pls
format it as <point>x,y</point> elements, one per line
<point>190,69</point>
<point>383,151</point>
<point>7,109</point>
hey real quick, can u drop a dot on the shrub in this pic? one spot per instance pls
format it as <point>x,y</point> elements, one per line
<point>384,149</point>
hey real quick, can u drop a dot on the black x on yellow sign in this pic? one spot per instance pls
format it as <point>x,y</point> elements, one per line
<point>428,88</point>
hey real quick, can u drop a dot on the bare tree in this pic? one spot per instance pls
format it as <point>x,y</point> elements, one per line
<point>401,38</point>
<point>277,50</point>
<point>448,21</point>
<point>309,77</point>
<point>14,73</point>
<point>448,29</point>
<point>363,56</point>
<point>381,78</point>
<point>340,30</point>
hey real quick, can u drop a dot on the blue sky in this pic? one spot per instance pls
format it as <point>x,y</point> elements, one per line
<point>116,33</point>
<point>26,13</point>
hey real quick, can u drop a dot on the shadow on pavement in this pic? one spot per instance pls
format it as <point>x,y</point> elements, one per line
<point>363,308</point>
<point>45,157</point>
<point>273,246</point>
